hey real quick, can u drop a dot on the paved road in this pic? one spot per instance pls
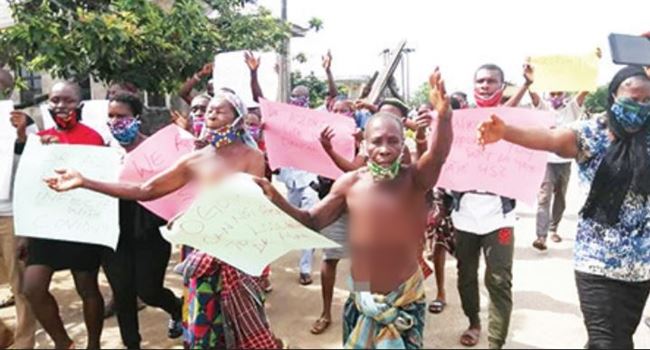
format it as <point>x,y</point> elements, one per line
<point>546,312</point>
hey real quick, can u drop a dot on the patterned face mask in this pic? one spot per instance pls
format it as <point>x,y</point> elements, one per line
<point>125,130</point>
<point>223,136</point>
<point>631,115</point>
<point>381,173</point>
<point>300,101</point>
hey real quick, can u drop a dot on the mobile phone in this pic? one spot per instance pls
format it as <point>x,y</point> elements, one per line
<point>630,49</point>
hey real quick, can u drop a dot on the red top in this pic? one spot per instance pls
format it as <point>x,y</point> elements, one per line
<point>79,135</point>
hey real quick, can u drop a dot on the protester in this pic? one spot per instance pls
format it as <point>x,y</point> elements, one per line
<point>613,155</point>
<point>301,185</point>
<point>185,91</point>
<point>12,266</point>
<point>224,305</point>
<point>385,201</point>
<point>485,221</point>
<point>137,268</point>
<point>45,256</point>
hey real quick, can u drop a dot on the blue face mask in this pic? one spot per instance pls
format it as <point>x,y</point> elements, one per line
<point>630,114</point>
<point>125,130</point>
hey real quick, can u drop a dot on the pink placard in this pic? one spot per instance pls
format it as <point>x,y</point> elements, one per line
<point>501,168</point>
<point>291,134</point>
<point>157,153</point>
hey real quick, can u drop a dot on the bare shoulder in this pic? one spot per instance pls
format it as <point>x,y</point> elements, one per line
<point>347,180</point>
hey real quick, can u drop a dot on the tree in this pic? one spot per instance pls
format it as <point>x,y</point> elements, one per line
<point>316,24</point>
<point>132,40</point>
<point>596,102</point>
<point>317,88</point>
<point>421,95</point>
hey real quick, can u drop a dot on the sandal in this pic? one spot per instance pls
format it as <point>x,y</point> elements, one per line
<point>540,244</point>
<point>437,306</point>
<point>320,326</point>
<point>470,337</point>
<point>305,279</point>
<point>556,238</point>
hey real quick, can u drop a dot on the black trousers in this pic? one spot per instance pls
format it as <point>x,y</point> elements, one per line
<point>611,309</point>
<point>137,269</point>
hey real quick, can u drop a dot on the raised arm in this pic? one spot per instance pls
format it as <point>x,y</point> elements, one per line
<point>344,164</point>
<point>429,165</point>
<point>186,90</point>
<point>423,122</point>
<point>322,214</point>
<point>332,92</point>
<point>253,64</point>
<point>160,185</point>
<point>560,141</point>
<point>528,81</point>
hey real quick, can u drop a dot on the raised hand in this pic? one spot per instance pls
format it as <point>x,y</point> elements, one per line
<point>65,180</point>
<point>529,72</point>
<point>252,61</point>
<point>490,131</point>
<point>49,139</point>
<point>362,104</point>
<point>206,71</point>
<point>327,61</point>
<point>326,137</point>
<point>424,120</point>
<point>438,95</point>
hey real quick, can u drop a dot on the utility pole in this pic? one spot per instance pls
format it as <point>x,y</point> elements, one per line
<point>285,78</point>
<point>407,61</point>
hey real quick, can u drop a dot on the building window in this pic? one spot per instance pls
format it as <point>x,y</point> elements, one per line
<point>33,85</point>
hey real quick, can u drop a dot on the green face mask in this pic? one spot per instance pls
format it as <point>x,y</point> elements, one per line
<point>380,173</point>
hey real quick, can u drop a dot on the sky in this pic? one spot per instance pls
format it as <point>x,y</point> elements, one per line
<point>459,35</point>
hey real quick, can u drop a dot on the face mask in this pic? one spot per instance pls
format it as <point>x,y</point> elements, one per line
<point>492,101</point>
<point>300,101</point>
<point>630,114</point>
<point>380,173</point>
<point>255,132</point>
<point>223,136</point>
<point>71,122</point>
<point>125,130</point>
<point>198,122</point>
<point>557,102</point>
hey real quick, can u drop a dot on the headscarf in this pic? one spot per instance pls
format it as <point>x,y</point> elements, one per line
<point>237,125</point>
<point>625,167</point>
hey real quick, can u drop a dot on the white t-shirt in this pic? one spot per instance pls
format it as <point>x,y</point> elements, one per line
<point>564,116</point>
<point>481,214</point>
<point>6,208</point>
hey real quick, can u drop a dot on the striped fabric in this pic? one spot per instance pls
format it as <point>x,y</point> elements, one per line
<point>398,325</point>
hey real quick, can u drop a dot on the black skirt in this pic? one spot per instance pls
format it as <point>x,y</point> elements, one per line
<point>61,255</point>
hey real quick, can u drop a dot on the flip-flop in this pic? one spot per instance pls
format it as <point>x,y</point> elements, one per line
<point>320,326</point>
<point>470,337</point>
<point>305,279</point>
<point>556,238</point>
<point>539,244</point>
<point>437,306</point>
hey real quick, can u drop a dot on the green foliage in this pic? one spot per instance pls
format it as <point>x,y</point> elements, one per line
<point>132,40</point>
<point>420,96</point>
<point>596,102</point>
<point>317,87</point>
<point>316,24</point>
<point>300,58</point>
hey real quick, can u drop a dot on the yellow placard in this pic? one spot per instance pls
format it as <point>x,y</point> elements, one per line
<point>565,73</point>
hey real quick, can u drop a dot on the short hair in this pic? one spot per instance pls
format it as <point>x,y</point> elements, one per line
<point>460,93</point>
<point>131,100</point>
<point>494,67</point>
<point>386,116</point>
<point>73,85</point>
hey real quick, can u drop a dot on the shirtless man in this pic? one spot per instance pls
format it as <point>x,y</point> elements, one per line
<point>386,204</point>
<point>231,152</point>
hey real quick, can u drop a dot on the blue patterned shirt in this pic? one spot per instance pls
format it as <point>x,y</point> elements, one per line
<point>622,251</point>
